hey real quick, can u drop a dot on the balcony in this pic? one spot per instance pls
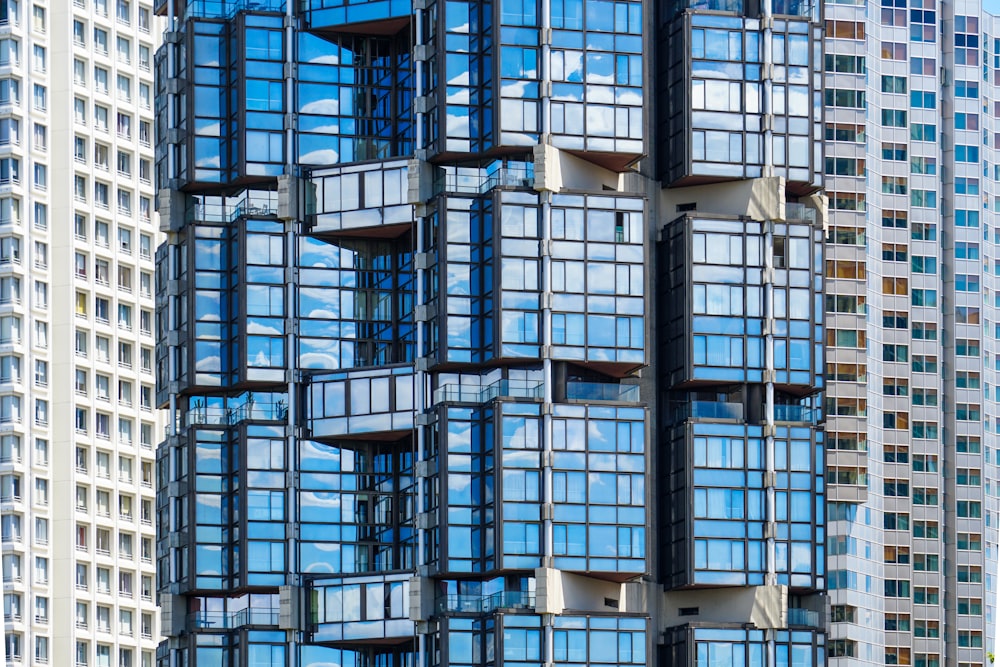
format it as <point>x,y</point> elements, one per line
<point>383,17</point>
<point>224,620</point>
<point>800,212</point>
<point>253,203</point>
<point>708,410</point>
<point>486,604</point>
<point>476,181</point>
<point>361,608</point>
<point>361,403</point>
<point>602,391</point>
<point>209,415</point>
<point>224,9</point>
<point>803,617</point>
<point>797,413</point>
<point>473,393</point>
<point>371,196</point>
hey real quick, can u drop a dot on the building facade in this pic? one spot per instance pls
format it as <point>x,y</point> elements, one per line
<point>78,424</point>
<point>911,417</point>
<point>457,372</point>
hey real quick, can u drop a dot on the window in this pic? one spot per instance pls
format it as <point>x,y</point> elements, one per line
<point>893,152</point>
<point>101,196</point>
<point>893,118</point>
<point>969,509</point>
<point>124,88</point>
<point>38,58</point>
<point>924,297</point>
<point>125,240</point>
<point>39,97</point>
<point>967,347</point>
<point>893,84</point>
<point>923,165</point>
<point>101,41</point>
<point>103,580</point>
<point>41,176</point>
<point>923,99</point>
<point>101,118</point>
<point>922,132</point>
<point>921,264</point>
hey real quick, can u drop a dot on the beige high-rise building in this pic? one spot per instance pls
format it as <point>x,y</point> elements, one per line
<point>78,427</point>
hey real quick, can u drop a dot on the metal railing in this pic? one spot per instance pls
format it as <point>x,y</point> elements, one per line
<point>227,620</point>
<point>219,416</point>
<point>254,203</point>
<point>480,181</point>
<point>485,604</point>
<point>473,393</point>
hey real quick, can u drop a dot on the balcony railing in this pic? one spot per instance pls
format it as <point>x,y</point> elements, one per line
<point>254,203</point>
<point>601,391</point>
<point>795,211</point>
<point>479,181</point>
<point>336,202</point>
<point>473,393</point>
<point>803,617</point>
<point>796,413</point>
<point>228,620</point>
<point>709,410</point>
<point>485,604</point>
<point>222,9</point>
<point>219,416</point>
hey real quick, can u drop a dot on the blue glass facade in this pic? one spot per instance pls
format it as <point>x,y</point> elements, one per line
<point>414,270</point>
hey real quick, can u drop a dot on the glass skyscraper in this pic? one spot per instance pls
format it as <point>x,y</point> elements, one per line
<point>476,353</point>
<point>579,332</point>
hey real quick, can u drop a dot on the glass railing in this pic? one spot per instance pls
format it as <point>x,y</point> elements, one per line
<point>485,604</point>
<point>223,9</point>
<point>254,203</point>
<point>601,391</point>
<point>200,415</point>
<point>709,410</point>
<point>796,413</point>
<point>463,180</point>
<point>358,196</point>
<point>361,401</point>
<point>796,211</point>
<point>805,617</point>
<point>323,13</point>
<point>226,620</point>
<point>474,393</point>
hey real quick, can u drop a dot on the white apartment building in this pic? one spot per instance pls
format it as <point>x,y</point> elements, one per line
<point>912,248</point>
<point>77,421</point>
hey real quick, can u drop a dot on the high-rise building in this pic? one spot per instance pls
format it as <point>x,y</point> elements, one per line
<point>463,365</point>
<point>911,332</point>
<point>78,424</point>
